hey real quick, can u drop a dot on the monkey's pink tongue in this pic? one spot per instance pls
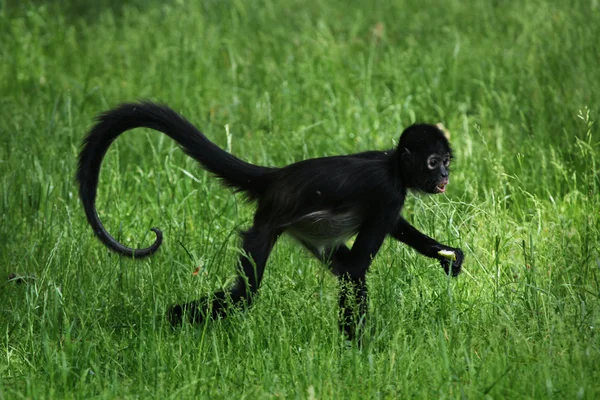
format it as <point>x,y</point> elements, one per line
<point>442,187</point>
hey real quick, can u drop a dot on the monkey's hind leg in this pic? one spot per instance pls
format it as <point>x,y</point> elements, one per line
<point>258,242</point>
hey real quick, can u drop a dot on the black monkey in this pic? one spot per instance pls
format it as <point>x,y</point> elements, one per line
<point>321,202</point>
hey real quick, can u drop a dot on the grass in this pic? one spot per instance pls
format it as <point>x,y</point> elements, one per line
<point>517,85</point>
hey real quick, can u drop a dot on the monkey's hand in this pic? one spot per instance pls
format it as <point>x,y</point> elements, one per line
<point>451,259</point>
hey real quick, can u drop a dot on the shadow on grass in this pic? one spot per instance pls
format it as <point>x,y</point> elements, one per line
<point>83,9</point>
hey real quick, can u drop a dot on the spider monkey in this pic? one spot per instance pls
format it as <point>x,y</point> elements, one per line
<point>320,202</point>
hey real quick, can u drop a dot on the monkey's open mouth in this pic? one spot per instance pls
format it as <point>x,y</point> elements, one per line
<point>441,187</point>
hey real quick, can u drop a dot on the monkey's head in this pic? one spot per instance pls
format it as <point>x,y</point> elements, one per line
<point>425,155</point>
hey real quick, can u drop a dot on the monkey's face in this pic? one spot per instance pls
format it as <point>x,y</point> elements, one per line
<point>436,173</point>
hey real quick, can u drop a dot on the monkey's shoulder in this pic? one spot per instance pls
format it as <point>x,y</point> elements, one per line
<point>336,184</point>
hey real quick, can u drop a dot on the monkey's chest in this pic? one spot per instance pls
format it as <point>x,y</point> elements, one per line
<point>325,229</point>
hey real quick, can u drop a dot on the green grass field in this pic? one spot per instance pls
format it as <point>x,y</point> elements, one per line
<point>517,84</point>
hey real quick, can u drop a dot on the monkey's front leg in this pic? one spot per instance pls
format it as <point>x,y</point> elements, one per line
<point>353,290</point>
<point>354,304</point>
<point>351,267</point>
<point>406,233</point>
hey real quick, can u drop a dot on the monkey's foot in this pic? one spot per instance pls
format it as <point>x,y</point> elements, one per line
<point>177,312</point>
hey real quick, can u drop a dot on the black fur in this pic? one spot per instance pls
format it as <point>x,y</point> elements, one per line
<point>321,202</point>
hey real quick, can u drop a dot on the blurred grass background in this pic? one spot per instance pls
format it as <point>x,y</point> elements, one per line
<point>516,84</point>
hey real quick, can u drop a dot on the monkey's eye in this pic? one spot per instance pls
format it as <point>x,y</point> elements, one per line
<point>446,162</point>
<point>432,163</point>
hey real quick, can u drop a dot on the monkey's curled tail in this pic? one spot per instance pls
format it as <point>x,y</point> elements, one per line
<point>233,172</point>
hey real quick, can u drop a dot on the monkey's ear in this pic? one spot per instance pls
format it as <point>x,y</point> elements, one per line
<point>405,154</point>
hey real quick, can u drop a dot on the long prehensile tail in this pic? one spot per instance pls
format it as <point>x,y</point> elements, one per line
<point>233,172</point>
